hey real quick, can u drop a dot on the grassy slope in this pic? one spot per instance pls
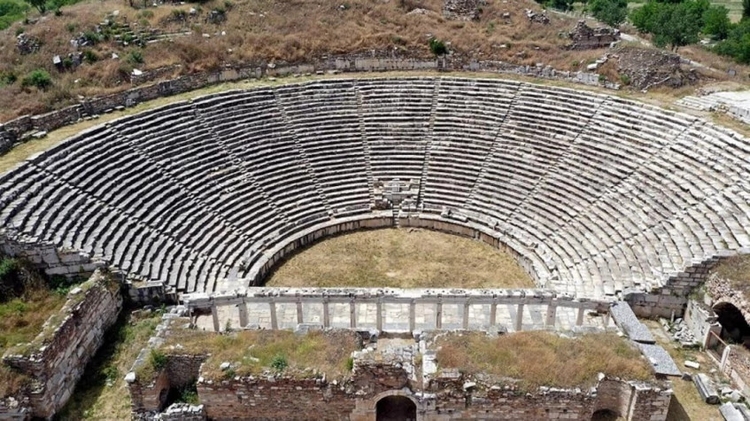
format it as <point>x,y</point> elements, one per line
<point>401,258</point>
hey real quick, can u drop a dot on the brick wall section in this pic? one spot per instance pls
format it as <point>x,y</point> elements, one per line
<point>56,362</point>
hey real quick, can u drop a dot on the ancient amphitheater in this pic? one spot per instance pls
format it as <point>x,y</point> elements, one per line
<point>595,194</point>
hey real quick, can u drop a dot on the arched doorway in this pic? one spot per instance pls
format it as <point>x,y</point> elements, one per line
<point>396,408</point>
<point>735,328</point>
<point>605,415</point>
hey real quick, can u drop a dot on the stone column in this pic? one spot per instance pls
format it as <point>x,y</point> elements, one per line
<point>579,318</point>
<point>519,317</point>
<point>300,319</point>
<point>439,314</point>
<point>465,323</point>
<point>215,317</point>
<point>412,315</point>
<point>379,315</point>
<point>242,307</point>
<point>551,313</point>
<point>493,312</point>
<point>326,314</point>
<point>272,308</point>
<point>352,314</point>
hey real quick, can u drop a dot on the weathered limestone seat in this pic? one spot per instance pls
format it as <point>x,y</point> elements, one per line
<point>596,194</point>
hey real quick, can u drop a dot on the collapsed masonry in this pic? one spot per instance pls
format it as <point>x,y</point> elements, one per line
<point>585,37</point>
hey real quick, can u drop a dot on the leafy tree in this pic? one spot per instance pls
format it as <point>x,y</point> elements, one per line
<point>737,44</point>
<point>40,5</point>
<point>745,9</point>
<point>716,22</point>
<point>611,12</point>
<point>673,24</point>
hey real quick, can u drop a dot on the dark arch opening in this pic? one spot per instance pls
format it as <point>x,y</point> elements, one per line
<point>396,408</point>
<point>735,328</point>
<point>605,415</point>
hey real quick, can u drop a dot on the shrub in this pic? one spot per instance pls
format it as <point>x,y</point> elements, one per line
<point>438,47</point>
<point>71,27</point>
<point>92,37</point>
<point>157,359</point>
<point>135,57</point>
<point>279,362</point>
<point>611,12</point>
<point>625,79</point>
<point>39,79</point>
<point>7,78</point>
<point>89,56</point>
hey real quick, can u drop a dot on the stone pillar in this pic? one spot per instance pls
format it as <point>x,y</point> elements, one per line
<point>300,319</point>
<point>439,314</point>
<point>465,323</point>
<point>551,313</point>
<point>215,317</point>
<point>379,314</point>
<point>606,319</point>
<point>242,307</point>
<point>326,314</point>
<point>493,312</point>
<point>519,317</point>
<point>579,318</point>
<point>412,315</point>
<point>272,308</point>
<point>352,314</point>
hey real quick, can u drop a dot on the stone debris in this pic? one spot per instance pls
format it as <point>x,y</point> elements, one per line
<point>692,364</point>
<point>537,17</point>
<point>647,68</point>
<point>706,389</point>
<point>660,359</point>
<point>730,413</point>
<point>585,37</point>
<point>27,44</point>
<point>629,323</point>
<point>463,9</point>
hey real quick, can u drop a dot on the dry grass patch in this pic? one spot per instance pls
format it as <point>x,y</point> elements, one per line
<point>21,320</point>
<point>254,351</point>
<point>543,358</point>
<point>736,270</point>
<point>401,258</point>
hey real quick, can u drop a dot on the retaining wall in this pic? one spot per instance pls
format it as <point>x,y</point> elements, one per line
<point>57,358</point>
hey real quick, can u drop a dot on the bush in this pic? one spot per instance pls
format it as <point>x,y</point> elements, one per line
<point>279,362</point>
<point>11,11</point>
<point>135,57</point>
<point>7,78</point>
<point>438,47</point>
<point>157,359</point>
<point>92,37</point>
<point>716,22</point>
<point>39,79</point>
<point>89,56</point>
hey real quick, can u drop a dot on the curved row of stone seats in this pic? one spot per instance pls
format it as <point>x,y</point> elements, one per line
<point>600,194</point>
<point>467,117</point>
<point>325,118</point>
<point>396,120</point>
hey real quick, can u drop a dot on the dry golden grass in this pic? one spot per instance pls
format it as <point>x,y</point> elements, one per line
<point>253,351</point>
<point>543,358</point>
<point>403,259</point>
<point>736,270</point>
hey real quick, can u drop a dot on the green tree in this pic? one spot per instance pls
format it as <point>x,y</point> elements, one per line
<point>745,9</point>
<point>673,24</point>
<point>611,12</point>
<point>40,5</point>
<point>737,44</point>
<point>716,22</point>
<point>438,47</point>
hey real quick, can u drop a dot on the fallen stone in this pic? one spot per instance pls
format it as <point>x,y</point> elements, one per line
<point>692,364</point>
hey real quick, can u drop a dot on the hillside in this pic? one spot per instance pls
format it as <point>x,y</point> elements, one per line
<point>99,44</point>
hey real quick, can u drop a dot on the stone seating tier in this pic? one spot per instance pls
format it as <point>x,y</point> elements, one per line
<point>596,194</point>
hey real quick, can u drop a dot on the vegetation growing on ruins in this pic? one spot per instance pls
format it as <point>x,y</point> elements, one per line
<point>401,258</point>
<point>253,351</point>
<point>102,393</point>
<point>543,358</point>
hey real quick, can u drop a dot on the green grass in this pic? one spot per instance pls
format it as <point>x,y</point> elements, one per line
<point>543,358</point>
<point>401,258</point>
<point>102,394</point>
<point>21,320</point>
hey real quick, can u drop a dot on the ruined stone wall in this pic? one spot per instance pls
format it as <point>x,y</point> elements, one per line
<point>56,359</point>
<point>736,364</point>
<point>47,257</point>
<point>272,398</point>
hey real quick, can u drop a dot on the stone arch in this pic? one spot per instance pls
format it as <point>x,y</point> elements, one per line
<point>395,408</point>
<point>733,322</point>
<point>605,415</point>
<point>395,396</point>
